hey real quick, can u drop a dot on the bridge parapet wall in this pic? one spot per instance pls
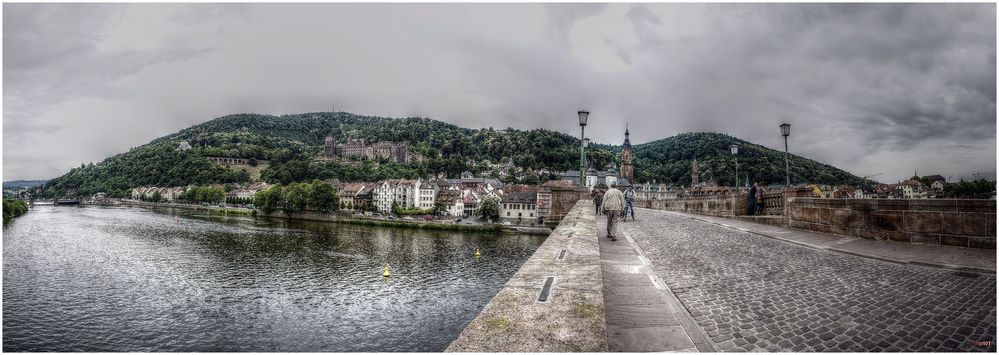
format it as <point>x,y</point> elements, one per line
<point>571,318</point>
<point>953,222</point>
<point>713,205</point>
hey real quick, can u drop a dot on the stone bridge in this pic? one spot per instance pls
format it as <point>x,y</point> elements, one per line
<point>677,281</point>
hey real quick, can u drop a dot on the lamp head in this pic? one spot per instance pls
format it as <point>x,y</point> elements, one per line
<point>785,129</point>
<point>583,116</point>
<point>734,148</point>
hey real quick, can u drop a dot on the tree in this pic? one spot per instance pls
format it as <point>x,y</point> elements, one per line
<point>13,208</point>
<point>395,208</point>
<point>488,208</point>
<point>324,197</point>
<point>296,197</point>
<point>439,208</point>
<point>269,200</point>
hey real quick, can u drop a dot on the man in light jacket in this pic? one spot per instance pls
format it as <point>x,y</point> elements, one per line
<point>613,204</point>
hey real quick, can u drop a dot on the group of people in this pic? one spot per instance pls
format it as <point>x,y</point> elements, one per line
<point>755,199</point>
<point>615,204</point>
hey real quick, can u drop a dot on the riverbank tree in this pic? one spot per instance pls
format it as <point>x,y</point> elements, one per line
<point>297,197</point>
<point>13,208</point>
<point>488,208</point>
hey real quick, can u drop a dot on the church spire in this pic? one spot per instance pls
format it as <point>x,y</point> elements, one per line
<point>627,141</point>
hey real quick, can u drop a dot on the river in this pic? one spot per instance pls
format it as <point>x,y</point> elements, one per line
<point>132,279</point>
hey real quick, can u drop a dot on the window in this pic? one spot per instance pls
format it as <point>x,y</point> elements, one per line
<point>508,214</point>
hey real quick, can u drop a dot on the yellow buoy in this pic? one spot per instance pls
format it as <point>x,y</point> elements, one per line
<point>477,254</point>
<point>386,273</point>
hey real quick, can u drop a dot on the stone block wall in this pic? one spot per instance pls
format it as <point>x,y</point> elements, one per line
<point>952,222</point>
<point>727,206</point>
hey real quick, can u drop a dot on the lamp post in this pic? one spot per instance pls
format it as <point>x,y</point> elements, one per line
<point>735,152</point>
<point>785,130</point>
<point>583,116</point>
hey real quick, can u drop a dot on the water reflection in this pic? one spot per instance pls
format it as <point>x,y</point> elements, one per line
<point>127,279</point>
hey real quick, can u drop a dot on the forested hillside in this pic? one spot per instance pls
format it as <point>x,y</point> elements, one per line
<point>669,160</point>
<point>291,142</point>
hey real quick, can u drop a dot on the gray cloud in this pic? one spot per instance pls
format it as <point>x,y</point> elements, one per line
<point>867,87</point>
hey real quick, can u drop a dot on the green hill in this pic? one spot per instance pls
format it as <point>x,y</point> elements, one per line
<point>291,142</point>
<point>669,160</point>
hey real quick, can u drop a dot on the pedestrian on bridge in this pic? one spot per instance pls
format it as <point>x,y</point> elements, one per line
<point>629,199</point>
<point>598,196</point>
<point>613,203</point>
<point>752,199</point>
<point>759,198</point>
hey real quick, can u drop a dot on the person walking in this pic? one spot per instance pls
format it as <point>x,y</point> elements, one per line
<point>629,199</point>
<point>613,202</point>
<point>759,198</point>
<point>752,200</point>
<point>598,197</point>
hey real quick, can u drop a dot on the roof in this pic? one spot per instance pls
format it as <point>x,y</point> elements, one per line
<point>521,188</point>
<point>627,142</point>
<point>558,183</point>
<point>449,196</point>
<point>520,197</point>
<point>351,189</point>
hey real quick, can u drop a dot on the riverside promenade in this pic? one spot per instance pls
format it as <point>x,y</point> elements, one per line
<point>684,283</point>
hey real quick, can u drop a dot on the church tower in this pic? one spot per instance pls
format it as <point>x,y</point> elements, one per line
<point>694,175</point>
<point>627,169</point>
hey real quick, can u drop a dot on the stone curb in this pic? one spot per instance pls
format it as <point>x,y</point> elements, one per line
<point>850,252</point>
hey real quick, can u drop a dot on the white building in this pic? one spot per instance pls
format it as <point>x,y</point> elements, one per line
<point>426,195</point>
<point>519,208</point>
<point>384,194</point>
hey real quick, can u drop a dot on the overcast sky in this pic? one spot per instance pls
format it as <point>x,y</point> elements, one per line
<point>868,88</point>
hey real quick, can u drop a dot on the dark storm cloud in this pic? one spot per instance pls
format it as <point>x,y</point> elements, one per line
<point>867,87</point>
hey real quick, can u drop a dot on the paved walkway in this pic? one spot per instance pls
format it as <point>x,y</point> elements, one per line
<point>751,290</point>
<point>977,260</point>
<point>642,314</point>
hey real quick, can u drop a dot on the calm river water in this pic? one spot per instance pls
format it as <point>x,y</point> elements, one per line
<point>130,279</point>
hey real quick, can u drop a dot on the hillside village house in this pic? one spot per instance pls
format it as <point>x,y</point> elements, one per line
<point>912,189</point>
<point>426,195</point>
<point>654,191</point>
<point>453,201</point>
<point>384,194</point>
<point>348,194</point>
<point>405,193</point>
<point>519,208</point>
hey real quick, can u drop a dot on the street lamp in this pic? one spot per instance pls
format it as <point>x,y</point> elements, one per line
<point>785,130</point>
<point>735,152</point>
<point>583,116</point>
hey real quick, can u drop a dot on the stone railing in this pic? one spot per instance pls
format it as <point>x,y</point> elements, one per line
<point>554,303</point>
<point>773,203</point>
<point>963,223</point>
<point>713,205</point>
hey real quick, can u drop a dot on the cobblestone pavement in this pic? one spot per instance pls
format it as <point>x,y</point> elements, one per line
<point>752,293</point>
